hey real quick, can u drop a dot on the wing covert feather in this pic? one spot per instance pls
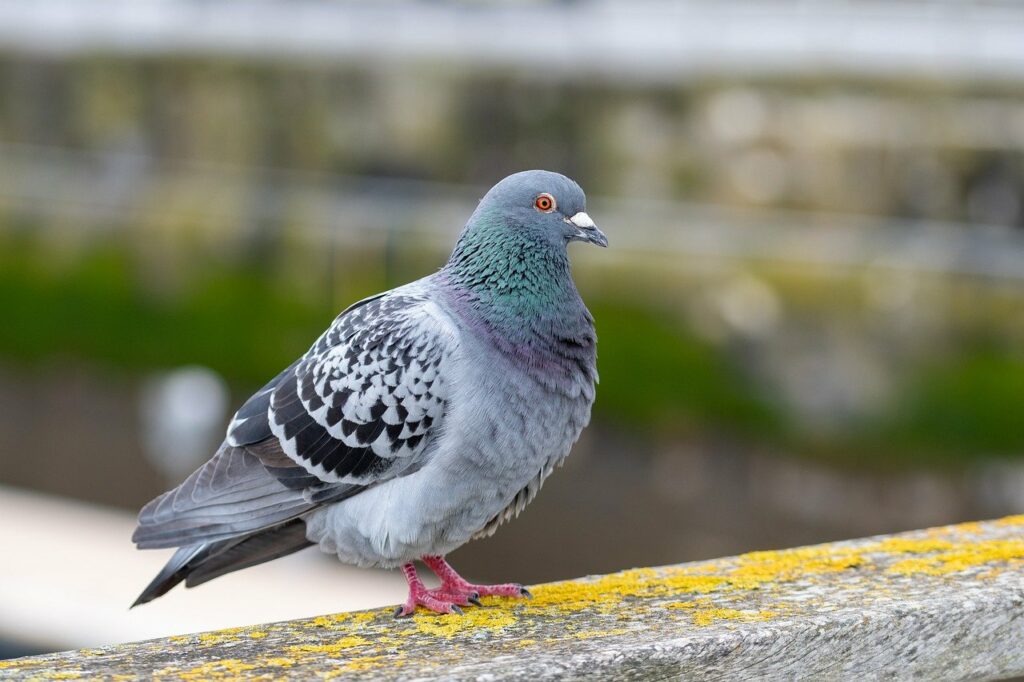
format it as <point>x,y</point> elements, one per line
<point>362,404</point>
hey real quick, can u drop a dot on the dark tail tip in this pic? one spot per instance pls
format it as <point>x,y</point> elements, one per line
<point>141,599</point>
<point>160,586</point>
<point>176,570</point>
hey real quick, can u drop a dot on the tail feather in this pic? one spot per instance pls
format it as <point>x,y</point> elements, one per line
<point>173,572</point>
<point>199,563</point>
<point>254,549</point>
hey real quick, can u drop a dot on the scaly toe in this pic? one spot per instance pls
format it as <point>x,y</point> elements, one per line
<point>505,590</point>
<point>449,596</point>
<point>432,600</point>
<point>439,605</point>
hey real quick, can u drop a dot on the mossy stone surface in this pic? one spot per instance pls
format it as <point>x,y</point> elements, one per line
<point>941,603</point>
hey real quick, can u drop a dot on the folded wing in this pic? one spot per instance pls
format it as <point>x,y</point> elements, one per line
<point>362,406</point>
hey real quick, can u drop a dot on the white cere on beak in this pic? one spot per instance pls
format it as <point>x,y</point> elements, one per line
<point>581,219</point>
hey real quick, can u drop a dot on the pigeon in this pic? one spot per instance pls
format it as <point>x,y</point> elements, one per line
<point>423,418</point>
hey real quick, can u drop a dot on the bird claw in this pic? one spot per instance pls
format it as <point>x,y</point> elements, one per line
<point>504,590</point>
<point>454,590</point>
<point>437,601</point>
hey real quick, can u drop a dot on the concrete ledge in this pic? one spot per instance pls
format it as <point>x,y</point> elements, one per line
<point>945,603</point>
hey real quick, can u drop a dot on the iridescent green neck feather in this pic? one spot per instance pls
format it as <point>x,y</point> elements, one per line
<point>516,291</point>
<point>508,276</point>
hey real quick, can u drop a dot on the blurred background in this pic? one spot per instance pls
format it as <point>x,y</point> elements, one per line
<point>811,319</point>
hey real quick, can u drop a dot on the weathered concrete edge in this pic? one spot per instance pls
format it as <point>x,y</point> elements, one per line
<point>980,638</point>
<point>943,603</point>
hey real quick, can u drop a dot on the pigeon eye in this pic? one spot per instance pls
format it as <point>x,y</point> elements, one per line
<point>544,203</point>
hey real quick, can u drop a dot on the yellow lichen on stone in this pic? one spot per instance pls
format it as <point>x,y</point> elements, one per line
<point>704,612</point>
<point>607,592</point>
<point>677,581</point>
<point>366,616</point>
<point>572,596</point>
<point>18,664</point>
<point>386,640</point>
<point>221,636</point>
<point>591,634</point>
<point>671,602</point>
<point>914,567</point>
<point>211,638</point>
<point>346,618</point>
<point>749,571</point>
<point>961,557</point>
<point>228,668</point>
<point>364,663</point>
<point>355,664</point>
<point>334,648</point>
<point>968,527</point>
<point>793,564</point>
<point>477,619</point>
<point>705,617</point>
<point>910,545</point>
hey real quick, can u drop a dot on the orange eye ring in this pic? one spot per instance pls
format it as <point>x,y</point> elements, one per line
<point>545,203</point>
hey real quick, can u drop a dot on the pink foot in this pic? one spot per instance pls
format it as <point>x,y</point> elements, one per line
<point>460,598</point>
<point>454,584</point>
<point>437,601</point>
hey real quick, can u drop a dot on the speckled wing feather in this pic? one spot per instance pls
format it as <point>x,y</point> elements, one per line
<point>361,405</point>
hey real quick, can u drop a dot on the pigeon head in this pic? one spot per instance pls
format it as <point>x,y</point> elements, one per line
<point>511,261</point>
<point>538,206</point>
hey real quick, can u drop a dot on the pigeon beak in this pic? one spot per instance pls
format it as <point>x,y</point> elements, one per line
<point>586,230</point>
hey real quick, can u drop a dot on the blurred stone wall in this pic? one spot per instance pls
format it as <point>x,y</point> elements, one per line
<point>898,148</point>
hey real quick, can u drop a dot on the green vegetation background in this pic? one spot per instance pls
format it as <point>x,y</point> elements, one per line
<point>246,321</point>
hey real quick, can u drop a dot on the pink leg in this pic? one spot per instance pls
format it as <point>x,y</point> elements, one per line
<point>454,585</point>
<point>421,596</point>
